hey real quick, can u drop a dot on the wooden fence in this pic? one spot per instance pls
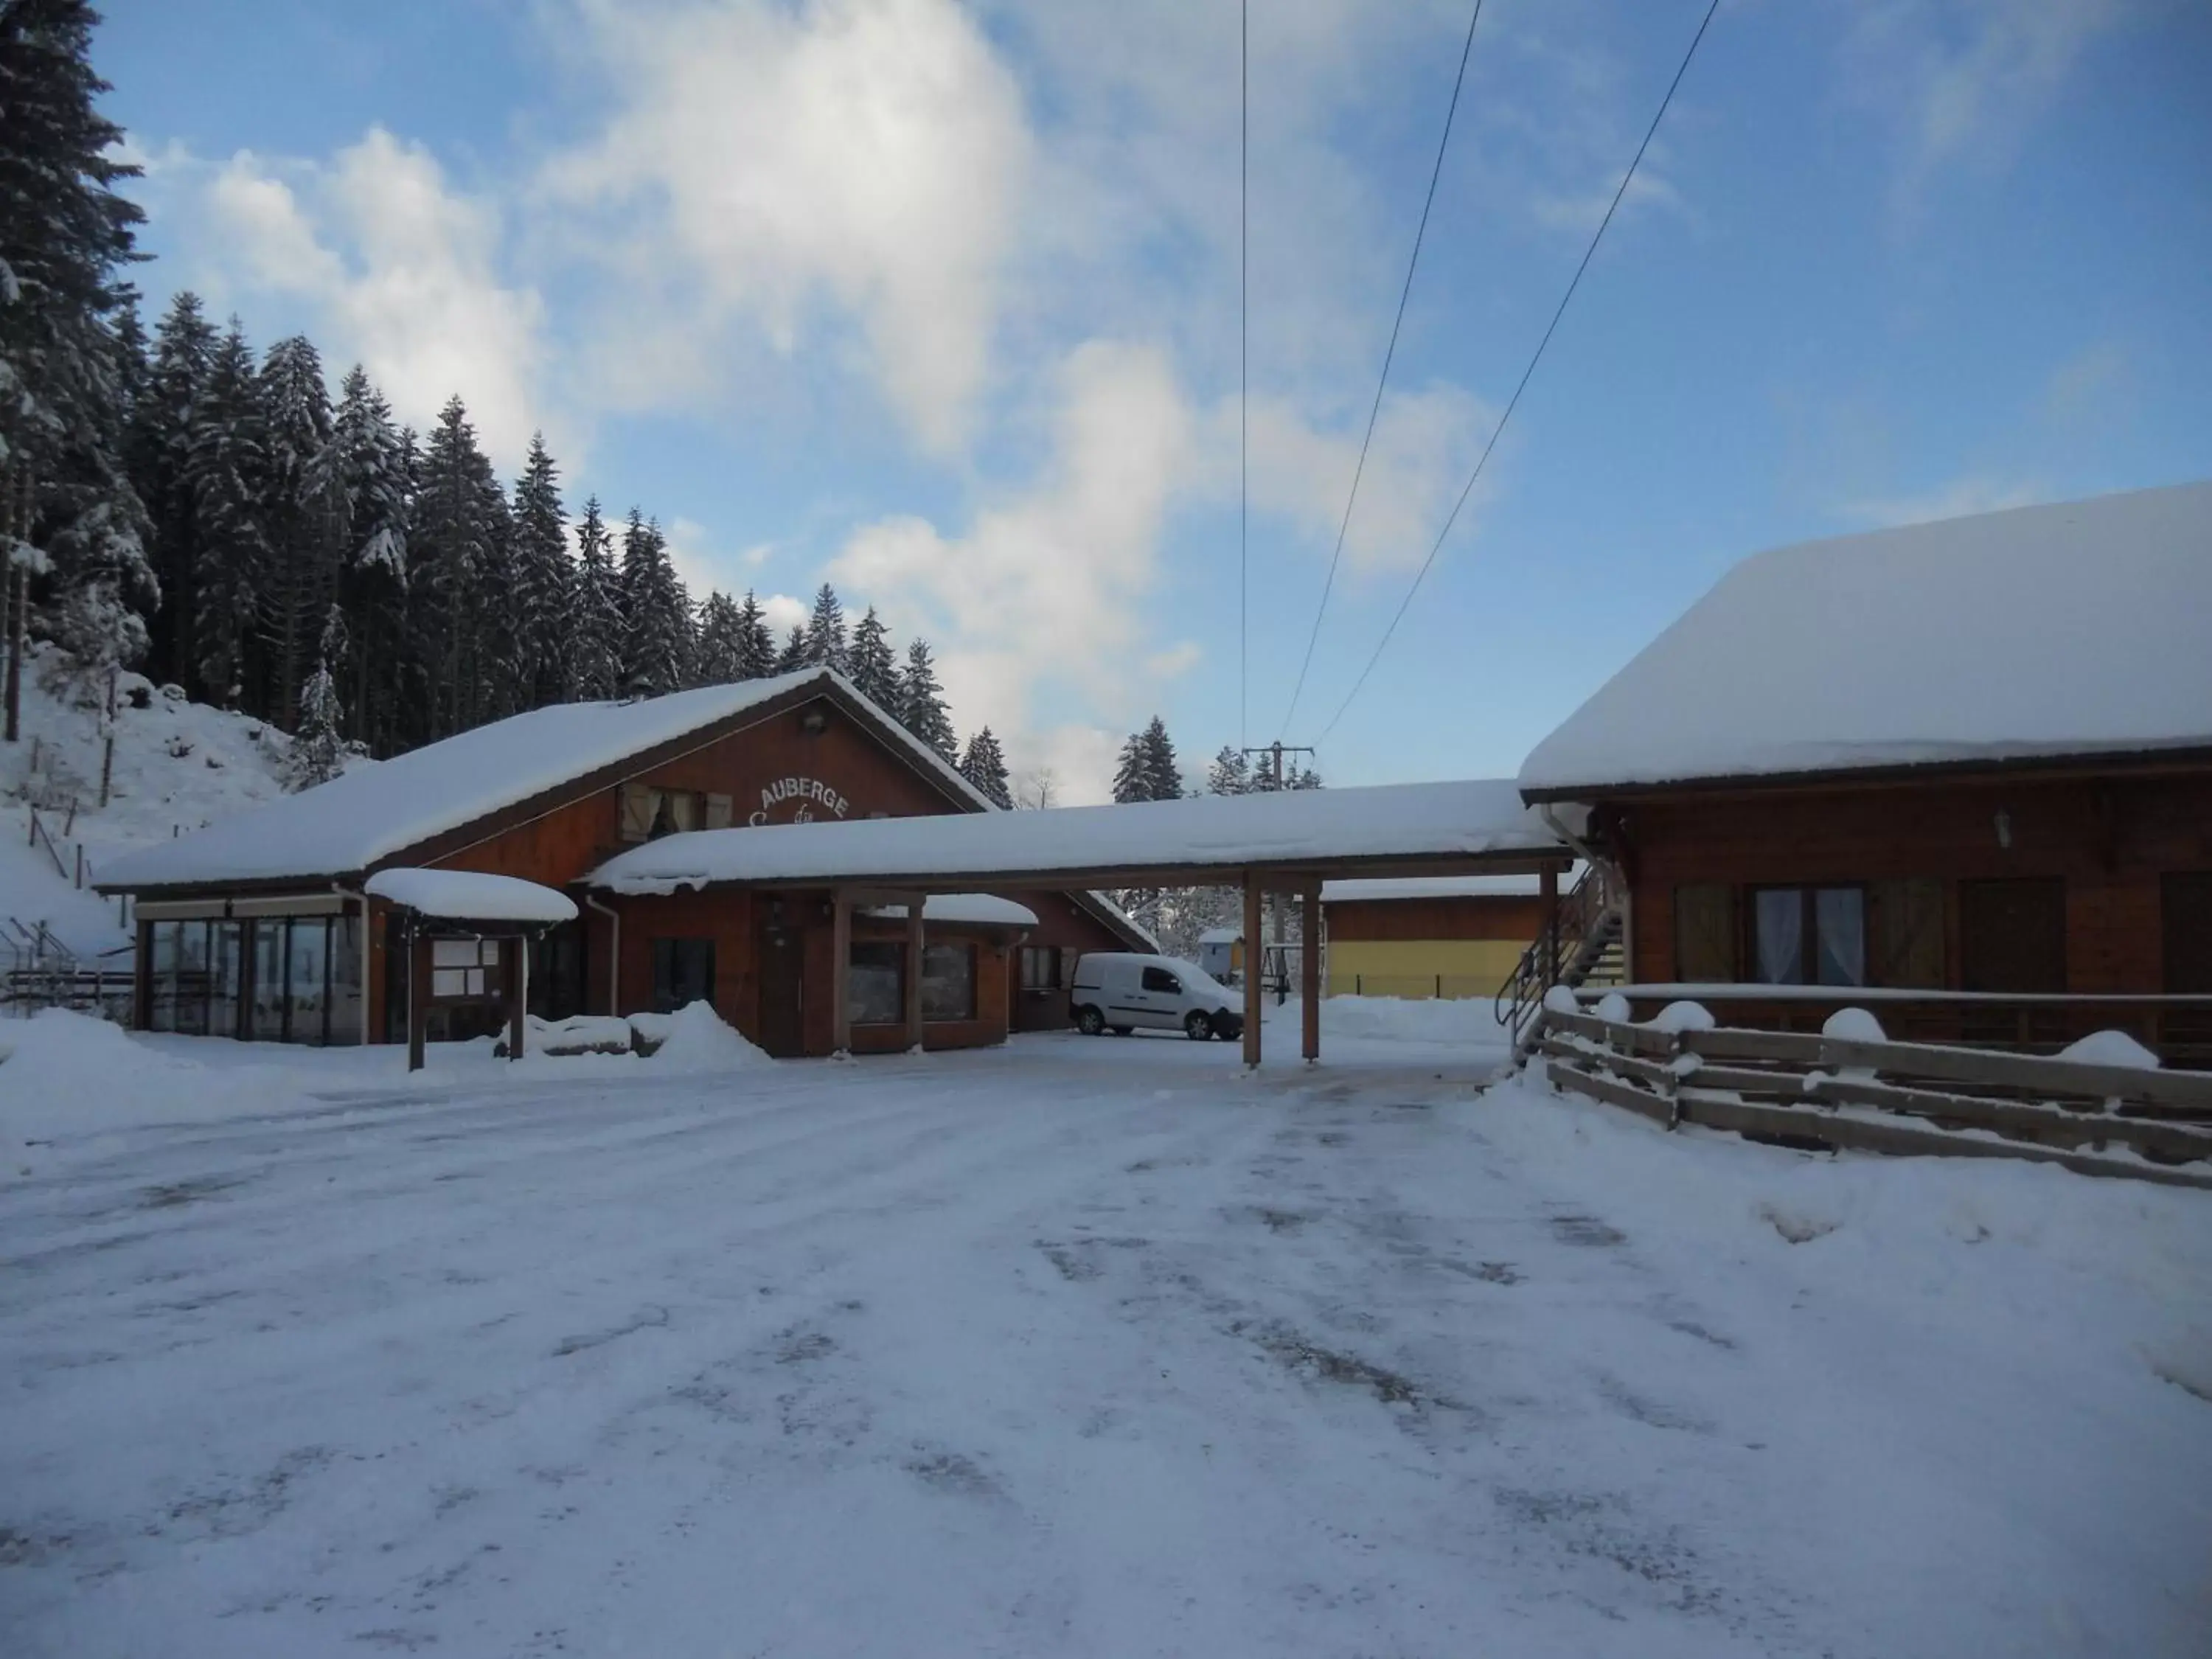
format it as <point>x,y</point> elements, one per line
<point>1902,1098</point>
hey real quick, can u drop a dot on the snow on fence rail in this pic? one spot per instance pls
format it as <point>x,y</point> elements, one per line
<point>1883,1096</point>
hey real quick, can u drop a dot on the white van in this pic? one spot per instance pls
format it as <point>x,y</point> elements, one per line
<point>1123,991</point>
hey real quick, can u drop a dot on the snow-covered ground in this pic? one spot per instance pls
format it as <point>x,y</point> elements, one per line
<point>1078,1347</point>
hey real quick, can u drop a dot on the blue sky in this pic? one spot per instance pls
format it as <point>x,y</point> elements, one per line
<point>939,301</point>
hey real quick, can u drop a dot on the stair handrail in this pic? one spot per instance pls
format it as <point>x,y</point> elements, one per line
<point>1561,952</point>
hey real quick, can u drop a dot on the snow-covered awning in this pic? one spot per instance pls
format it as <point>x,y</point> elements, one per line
<point>1400,888</point>
<point>969,909</point>
<point>1407,829</point>
<point>468,895</point>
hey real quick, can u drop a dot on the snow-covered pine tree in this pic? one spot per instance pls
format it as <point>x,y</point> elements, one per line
<point>826,644</point>
<point>64,232</point>
<point>595,631</point>
<point>227,468</point>
<point>755,646</point>
<point>922,702</point>
<point>793,657</point>
<point>455,549</point>
<point>1132,780</point>
<point>318,747</point>
<point>1163,771</point>
<point>161,451</point>
<point>298,521</point>
<point>720,658</point>
<point>361,476</point>
<point>984,765</point>
<point>656,613</point>
<point>544,580</point>
<point>872,665</point>
<point>1230,773</point>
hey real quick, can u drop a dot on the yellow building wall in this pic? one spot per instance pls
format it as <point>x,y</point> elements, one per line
<point>1413,968</point>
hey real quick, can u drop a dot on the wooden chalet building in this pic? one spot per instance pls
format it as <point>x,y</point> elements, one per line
<point>258,926</point>
<point>1453,937</point>
<point>1959,773</point>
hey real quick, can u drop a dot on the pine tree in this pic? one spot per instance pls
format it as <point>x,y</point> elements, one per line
<point>544,580</point>
<point>872,665</point>
<point>361,478</point>
<point>298,519</point>
<point>922,702</point>
<point>595,633</point>
<point>656,613</point>
<point>318,747</point>
<point>1132,780</point>
<point>984,765</point>
<point>826,645</point>
<point>720,657</point>
<point>64,232</point>
<point>755,646</point>
<point>1163,771</point>
<point>793,657</point>
<point>455,548</point>
<point>226,467</point>
<point>161,452</point>
<point>1230,773</point>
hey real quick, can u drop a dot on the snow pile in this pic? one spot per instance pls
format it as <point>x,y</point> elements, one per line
<point>2046,630</point>
<point>67,1078</point>
<point>974,909</point>
<point>694,1038</point>
<point>2110,1049</point>
<point>1682,1016</point>
<point>472,896</point>
<point>1853,1025</point>
<point>579,1034</point>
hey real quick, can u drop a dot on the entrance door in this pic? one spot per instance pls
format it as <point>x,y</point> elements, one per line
<point>2012,935</point>
<point>782,959</point>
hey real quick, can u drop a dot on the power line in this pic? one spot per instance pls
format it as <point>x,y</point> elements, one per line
<point>1243,359</point>
<point>1391,351</point>
<point>1514,402</point>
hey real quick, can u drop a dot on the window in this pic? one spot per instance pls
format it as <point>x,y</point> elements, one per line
<point>1905,925</point>
<point>2185,912</point>
<point>225,975</point>
<point>1705,933</point>
<point>307,981</point>
<point>162,1009</point>
<point>875,986</point>
<point>347,1013</point>
<point>649,812</point>
<point>269,981</point>
<point>948,981</point>
<point>192,978</point>
<point>682,973</point>
<point>1159,979</point>
<point>1809,935</point>
<point>1041,968</point>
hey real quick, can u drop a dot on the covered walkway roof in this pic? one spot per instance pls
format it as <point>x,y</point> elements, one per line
<point>1283,839</point>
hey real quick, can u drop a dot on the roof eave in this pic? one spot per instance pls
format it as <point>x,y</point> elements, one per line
<point>2178,758</point>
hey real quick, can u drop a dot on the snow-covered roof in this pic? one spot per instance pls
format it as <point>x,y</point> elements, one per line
<point>1368,891</point>
<point>1405,821</point>
<point>976,909</point>
<point>471,896</point>
<point>376,812</point>
<point>1221,936</point>
<point>2073,630</point>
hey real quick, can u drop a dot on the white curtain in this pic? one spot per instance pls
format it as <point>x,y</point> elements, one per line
<point>1780,918</point>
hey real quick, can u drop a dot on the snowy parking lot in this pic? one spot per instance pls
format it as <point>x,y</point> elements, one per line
<point>1080,1347</point>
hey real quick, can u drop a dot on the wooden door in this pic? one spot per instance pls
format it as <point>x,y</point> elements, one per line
<point>782,959</point>
<point>2012,935</point>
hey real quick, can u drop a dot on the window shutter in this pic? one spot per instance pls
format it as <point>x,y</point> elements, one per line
<point>718,812</point>
<point>637,811</point>
<point>1705,933</point>
<point>1908,933</point>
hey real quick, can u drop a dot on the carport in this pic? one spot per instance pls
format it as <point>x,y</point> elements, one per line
<point>1286,842</point>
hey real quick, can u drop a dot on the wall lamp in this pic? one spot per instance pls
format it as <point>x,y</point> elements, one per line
<point>2005,829</point>
<point>813,722</point>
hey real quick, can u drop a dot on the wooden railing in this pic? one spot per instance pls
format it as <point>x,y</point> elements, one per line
<point>1802,1089</point>
<point>1587,921</point>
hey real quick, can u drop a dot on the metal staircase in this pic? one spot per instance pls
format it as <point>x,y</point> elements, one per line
<point>1585,945</point>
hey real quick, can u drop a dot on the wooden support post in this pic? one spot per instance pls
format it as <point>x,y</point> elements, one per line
<point>1309,970</point>
<point>840,972</point>
<point>1252,960</point>
<point>141,989</point>
<point>1550,889</point>
<point>518,993</point>
<point>418,995</point>
<point>914,945</point>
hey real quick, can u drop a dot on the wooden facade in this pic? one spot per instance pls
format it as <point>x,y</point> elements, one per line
<point>764,959</point>
<point>2038,884</point>
<point>1433,944</point>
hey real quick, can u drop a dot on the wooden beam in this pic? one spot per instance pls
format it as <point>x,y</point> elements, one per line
<point>840,971</point>
<point>518,992</point>
<point>1548,887</point>
<point>1254,891</point>
<point>418,995</point>
<point>1309,971</point>
<point>915,946</point>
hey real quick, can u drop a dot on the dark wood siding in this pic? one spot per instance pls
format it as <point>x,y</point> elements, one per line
<point>1508,917</point>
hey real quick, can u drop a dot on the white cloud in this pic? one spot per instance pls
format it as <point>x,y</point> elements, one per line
<point>403,272</point>
<point>1048,582</point>
<point>1955,499</point>
<point>783,613</point>
<point>764,158</point>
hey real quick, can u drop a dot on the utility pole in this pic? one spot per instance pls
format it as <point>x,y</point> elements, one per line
<point>1271,770</point>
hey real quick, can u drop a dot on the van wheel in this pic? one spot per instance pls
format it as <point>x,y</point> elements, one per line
<point>1123,1031</point>
<point>1197,1025</point>
<point>1091,1021</point>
